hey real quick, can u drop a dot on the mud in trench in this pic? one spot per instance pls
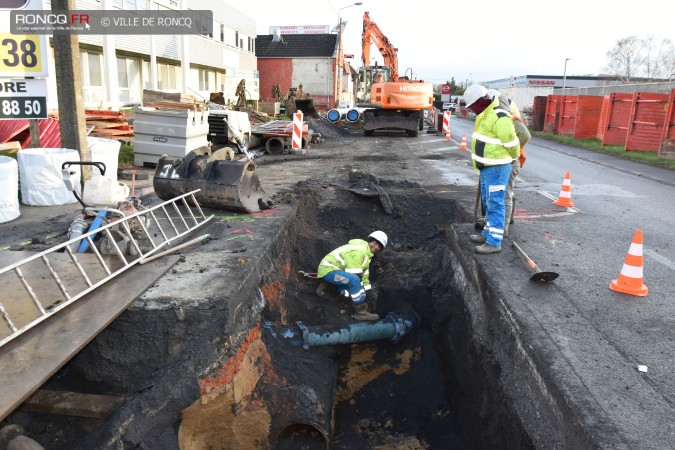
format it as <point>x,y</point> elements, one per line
<point>241,378</point>
<point>433,389</point>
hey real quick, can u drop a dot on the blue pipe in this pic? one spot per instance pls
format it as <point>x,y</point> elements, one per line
<point>392,327</point>
<point>84,244</point>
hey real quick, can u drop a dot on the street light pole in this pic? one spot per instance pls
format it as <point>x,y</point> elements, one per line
<point>565,73</point>
<point>338,61</point>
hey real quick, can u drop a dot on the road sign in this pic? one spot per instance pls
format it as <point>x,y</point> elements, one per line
<point>21,55</point>
<point>445,89</point>
<point>23,98</point>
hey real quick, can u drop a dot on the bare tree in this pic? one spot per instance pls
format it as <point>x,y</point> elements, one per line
<point>632,57</point>
<point>625,59</point>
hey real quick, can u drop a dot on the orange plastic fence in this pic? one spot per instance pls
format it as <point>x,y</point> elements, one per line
<point>645,127</point>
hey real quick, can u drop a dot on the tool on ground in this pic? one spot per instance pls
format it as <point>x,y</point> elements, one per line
<point>222,184</point>
<point>307,274</point>
<point>539,275</point>
<point>69,176</point>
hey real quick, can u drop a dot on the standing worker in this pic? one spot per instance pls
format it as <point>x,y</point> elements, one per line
<point>494,145</point>
<point>524,137</point>
<point>348,267</point>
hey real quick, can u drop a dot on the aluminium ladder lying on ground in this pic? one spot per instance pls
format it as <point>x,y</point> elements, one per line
<point>14,309</point>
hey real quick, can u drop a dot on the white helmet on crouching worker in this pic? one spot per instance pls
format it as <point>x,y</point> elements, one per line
<point>380,237</point>
<point>473,93</point>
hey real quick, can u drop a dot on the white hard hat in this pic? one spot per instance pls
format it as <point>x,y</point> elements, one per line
<point>473,93</point>
<point>380,237</point>
<point>494,93</point>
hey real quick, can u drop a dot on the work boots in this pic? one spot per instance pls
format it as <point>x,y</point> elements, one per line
<point>361,313</point>
<point>477,238</point>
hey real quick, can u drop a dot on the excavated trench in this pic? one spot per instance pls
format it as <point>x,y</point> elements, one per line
<point>437,388</point>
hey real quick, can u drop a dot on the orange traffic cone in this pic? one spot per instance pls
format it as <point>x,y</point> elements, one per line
<point>447,136</point>
<point>630,278</point>
<point>463,146</point>
<point>565,197</point>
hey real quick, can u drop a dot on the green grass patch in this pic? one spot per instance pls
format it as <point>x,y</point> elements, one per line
<point>126,156</point>
<point>595,145</point>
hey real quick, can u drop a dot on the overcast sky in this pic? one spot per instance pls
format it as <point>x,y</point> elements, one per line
<point>441,39</point>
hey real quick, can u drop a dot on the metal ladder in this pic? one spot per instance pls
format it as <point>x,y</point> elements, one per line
<point>12,307</point>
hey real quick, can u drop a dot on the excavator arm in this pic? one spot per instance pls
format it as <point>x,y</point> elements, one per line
<point>373,34</point>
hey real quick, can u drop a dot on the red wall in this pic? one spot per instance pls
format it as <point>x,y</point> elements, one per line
<point>552,118</point>
<point>645,128</point>
<point>568,115</point>
<point>667,149</point>
<point>275,71</point>
<point>588,116</point>
<point>617,116</point>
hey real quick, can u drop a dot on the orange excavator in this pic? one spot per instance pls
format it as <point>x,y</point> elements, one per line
<point>391,102</point>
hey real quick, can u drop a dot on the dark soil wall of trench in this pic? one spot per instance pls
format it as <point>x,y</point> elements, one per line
<point>439,388</point>
<point>455,398</point>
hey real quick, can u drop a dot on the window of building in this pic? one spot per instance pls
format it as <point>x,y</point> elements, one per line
<point>236,38</point>
<point>91,67</point>
<point>129,80</point>
<point>167,77</point>
<point>147,82</point>
<point>222,33</point>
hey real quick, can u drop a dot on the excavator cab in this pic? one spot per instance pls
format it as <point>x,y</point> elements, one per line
<point>367,77</point>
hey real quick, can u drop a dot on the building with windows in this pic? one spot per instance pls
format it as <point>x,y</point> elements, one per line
<point>116,68</point>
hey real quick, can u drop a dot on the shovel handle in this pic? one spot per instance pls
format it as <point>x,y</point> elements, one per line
<point>527,258</point>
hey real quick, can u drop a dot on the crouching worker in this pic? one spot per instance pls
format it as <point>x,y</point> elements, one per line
<point>347,267</point>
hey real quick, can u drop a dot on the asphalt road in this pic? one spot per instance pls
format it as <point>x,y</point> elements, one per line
<point>593,338</point>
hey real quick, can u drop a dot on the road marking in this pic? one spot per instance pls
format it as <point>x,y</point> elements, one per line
<point>554,198</point>
<point>660,259</point>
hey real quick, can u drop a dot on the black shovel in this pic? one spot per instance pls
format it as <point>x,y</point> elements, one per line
<point>539,275</point>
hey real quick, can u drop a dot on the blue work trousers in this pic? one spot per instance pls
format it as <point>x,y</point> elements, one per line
<point>347,282</point>
<point>493,181</point>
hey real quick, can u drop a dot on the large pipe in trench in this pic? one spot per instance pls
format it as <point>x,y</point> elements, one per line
<point>302,406</point>
<point>392,327</point>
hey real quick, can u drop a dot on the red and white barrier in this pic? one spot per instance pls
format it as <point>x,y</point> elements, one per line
<point>297,131</point>
<point>446,122</point>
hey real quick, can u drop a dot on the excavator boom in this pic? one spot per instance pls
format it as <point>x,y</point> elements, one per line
<point>392,102</point>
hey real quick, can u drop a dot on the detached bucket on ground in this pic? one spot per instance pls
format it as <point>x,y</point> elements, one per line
<point>231,185</point>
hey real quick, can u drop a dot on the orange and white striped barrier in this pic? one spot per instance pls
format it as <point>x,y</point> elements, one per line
<point>296,142</point>
<point>565,197</point>
<point>630,278</point>
<point>446,125</point>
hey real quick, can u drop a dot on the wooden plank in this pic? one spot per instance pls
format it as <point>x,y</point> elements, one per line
<point>175,105</point>
<point>71,404</point>
<point>157,96</point>
<point>29,360</point>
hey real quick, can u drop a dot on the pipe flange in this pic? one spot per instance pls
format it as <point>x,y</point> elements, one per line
<point>399,326</point>
<point>305,334</point>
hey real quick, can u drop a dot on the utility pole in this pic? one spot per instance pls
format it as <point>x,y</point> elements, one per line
<point>339,59</point>
<point>565,73</point>
<point>69,90</point>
